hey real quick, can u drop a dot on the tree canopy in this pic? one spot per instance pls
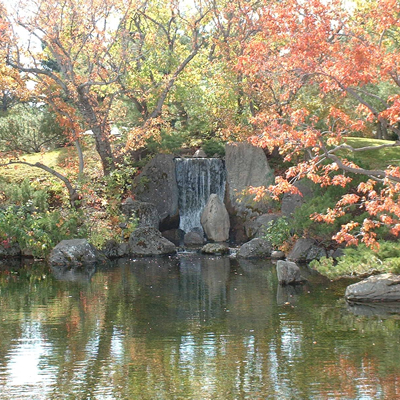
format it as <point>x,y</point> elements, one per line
<point>291,76</point>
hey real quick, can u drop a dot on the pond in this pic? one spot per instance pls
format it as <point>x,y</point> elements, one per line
<point>192,327</point>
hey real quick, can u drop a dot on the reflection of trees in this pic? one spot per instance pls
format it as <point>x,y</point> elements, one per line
<point>199,328</point>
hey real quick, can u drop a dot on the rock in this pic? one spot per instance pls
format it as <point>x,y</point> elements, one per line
<point>215,220</point>
<point>306,250</point>
<point>291,202</point>
<point>75,252</point>
<point>157,185</point>
<point>256,227</point>
<point>385,287</point>
<point>246,165</point>
<point>255,248</point>
<point>148,241</point>
<point>113,249</point>
<point>9,249</point>
<point>193,239</point>
<point>200,153</point>
<point>288,273</point>
<point>174,235</point>
<point>215,248</point>
<point>146,214</point>
<point>277,254</point>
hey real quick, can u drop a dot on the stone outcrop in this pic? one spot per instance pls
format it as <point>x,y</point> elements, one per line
<point>148,241</point>
<point>291,202</point>
<point>255,248</point>
<point>215,248</point>
<point>383,288</point>
<point>215,220</point>
<point>145,213</point>
<point>157,185</point>
<point>288,273</point>
<point>246,165</point>
<point>306,250</point>
<point>75,252</point>
<point>193,239</point>
<point>256,226</point>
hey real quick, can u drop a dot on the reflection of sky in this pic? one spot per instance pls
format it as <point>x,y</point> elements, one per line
<point>25,367</point>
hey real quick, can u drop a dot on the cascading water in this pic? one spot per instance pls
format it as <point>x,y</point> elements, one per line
<point>197,179</point>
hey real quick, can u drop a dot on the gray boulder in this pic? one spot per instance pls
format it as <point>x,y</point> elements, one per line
<point>385,287</point>
<point>75,252</point>
<point>145,213</point>
<point>256,227</point>
<point>156,184</point>
<point>148,241</point>
<point>215,220</point>
<point>288,272</point>
<point>215,248</point>
<point>193,239</point>
<point>291,202</point>
<point>306,250</point>
<point>113,249</point>
<point>246,165</point>
<point>255,248</point>
<point>11,249</point>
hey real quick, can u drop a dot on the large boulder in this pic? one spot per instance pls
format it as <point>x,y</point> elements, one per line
<point>215,220</point>
<point>292,201</point>
<point>156,184</point>
<point>306,250</point>
<point>246,165</point>
<point>385,287</point>
<point>255,248</point>
<point>193,239</point>
<point>148,241</point>
<point>256,227</point>
<point>145,213</point>
<point>75,252</point>
<point>288,272</point>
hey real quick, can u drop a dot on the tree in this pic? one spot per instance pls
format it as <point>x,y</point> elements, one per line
<point>347,52</point>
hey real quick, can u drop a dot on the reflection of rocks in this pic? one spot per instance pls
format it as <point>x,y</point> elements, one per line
<point>385,287</point>
<point>374,309</point>
<point>83,274</point>
<point>288,294</point>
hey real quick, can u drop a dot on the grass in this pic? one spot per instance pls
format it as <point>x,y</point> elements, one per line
<point>374,159</point>
<point>63,160</point>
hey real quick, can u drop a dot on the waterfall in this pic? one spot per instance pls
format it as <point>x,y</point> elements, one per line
<point>197,178</point>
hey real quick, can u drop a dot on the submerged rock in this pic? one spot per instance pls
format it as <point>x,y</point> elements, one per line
<point>75,252</point>
<point>148,241</point>
<point>385,287</point>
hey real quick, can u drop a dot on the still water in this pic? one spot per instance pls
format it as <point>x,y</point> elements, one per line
<point>190,328</point>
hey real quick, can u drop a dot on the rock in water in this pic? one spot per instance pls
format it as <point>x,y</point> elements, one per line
<point>288,272</point>
<point>148,241</point>
<point>75,252</point>
<point>255,248</point>
<point>215,220</point>
<point>385,287</point>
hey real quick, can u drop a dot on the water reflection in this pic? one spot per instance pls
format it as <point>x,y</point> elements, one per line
<point>191,327</point>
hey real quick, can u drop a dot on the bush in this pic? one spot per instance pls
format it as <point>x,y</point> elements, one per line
<point>360,261</point>
<point>213,147</point>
